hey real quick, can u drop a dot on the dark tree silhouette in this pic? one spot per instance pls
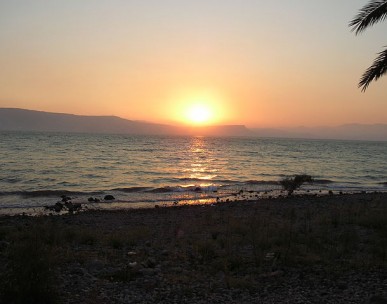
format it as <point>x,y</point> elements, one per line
<point>371,13</point>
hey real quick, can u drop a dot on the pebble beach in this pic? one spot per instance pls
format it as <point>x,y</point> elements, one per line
<point>297,249</point>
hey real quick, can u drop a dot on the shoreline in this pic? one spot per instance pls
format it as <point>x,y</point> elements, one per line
<point>328,249</point>
<point>61,203</point>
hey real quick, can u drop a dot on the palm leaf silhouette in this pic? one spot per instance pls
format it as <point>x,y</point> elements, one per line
<point>375,71</point>
<point>370,14</point>
<point>373,12</point>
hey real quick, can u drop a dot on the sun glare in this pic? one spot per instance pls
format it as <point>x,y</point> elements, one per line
<point>199,114</point>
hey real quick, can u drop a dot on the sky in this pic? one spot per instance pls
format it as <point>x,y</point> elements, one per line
<point>284,63</point>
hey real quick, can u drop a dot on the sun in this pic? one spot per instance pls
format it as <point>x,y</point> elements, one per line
<point>199,114</point>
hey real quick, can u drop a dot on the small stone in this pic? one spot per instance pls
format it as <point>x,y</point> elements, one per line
<point>109,197</point>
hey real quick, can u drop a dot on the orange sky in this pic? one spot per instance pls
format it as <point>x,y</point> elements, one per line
<point>273,64</point>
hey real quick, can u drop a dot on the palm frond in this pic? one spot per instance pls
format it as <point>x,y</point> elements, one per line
<point>371,13</point>
<point>375,71</point>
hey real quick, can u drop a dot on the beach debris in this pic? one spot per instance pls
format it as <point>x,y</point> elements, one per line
<point>157,206</point>
<point>198,189</point>
<point>109,197</point>
<point>131,253</point>
<point>132,264</point>
<point>330,192</point>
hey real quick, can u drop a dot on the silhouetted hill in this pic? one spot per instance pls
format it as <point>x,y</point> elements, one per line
<point>377,132</point>
<point>29,120</point>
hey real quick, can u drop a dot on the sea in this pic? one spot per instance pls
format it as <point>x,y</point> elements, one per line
<point>38,169</point>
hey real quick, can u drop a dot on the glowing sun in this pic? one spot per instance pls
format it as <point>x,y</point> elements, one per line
<point>199,114</point>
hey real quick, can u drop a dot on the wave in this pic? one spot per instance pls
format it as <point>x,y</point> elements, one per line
<point>190,188</point>
<point>260,182</point>
<point>323,181</point>
<point>132,189</point>
<point>197,185</point>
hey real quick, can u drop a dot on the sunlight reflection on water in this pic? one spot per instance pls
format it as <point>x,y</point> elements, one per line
<point>91,164</point>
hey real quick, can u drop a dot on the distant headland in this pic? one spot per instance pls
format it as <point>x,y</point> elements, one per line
<point>13,119</point>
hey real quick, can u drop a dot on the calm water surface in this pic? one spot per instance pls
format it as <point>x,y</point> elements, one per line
<point>36,168</point>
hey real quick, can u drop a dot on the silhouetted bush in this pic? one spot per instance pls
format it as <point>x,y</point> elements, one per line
<point>292,183</point>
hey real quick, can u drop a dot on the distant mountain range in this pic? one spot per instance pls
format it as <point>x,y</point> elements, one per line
<point>375,132</point>
<point>28,120</point>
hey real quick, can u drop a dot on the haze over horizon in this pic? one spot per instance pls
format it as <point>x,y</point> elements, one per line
<point>260,64</point>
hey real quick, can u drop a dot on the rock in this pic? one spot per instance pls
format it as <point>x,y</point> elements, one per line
<point>94,199</point>
<point>58,207</point>
<point>73,207</point>
<point>65,198</point>
<point>109,197</point>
